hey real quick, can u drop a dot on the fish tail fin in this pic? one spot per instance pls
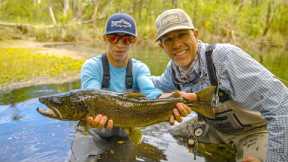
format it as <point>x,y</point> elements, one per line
<point>206,94</point>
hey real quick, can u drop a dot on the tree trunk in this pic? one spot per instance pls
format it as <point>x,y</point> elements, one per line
<point>255,2</point>
<point>66,7</point>
<point>174,4</point>
<point>95,11</point>
<point>140,7</point>
<point>36,2</point>
<point>52,16</point>
<point>269,18</point>
<point>78,9</point>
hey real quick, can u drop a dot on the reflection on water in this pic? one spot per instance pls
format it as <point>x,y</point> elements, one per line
<point>32,137</point>
<point>26,136</point>
<point>23,94</point>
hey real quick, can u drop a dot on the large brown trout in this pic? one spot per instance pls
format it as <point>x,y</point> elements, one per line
<point>126,111</point>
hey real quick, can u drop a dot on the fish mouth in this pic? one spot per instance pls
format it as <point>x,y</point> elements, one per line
<point>50,112</point>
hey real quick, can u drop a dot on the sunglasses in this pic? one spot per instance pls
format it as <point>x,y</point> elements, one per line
<point>126,39</point>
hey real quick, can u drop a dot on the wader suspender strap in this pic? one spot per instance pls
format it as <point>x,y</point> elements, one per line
<point>174,79</point>
<point>210,66</point>
<point>212,72</point>
<point>129,76</point>
<point>106,73</point>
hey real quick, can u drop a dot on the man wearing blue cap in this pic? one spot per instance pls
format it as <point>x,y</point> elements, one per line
<point>114,71</point>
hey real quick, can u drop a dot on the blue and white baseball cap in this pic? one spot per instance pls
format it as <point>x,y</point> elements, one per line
<point>121,23</point>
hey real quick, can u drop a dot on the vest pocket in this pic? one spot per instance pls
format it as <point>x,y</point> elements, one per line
<point>227,122</point>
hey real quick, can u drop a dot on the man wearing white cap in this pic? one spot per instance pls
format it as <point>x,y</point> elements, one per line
<point>250,104</point>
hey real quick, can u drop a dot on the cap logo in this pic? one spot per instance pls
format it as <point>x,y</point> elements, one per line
<point>171,19</point>
<point>121,24</point>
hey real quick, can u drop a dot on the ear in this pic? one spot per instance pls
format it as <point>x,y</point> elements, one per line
<point>104,38</point>
<point>195,32</point>
<point>160,44</point>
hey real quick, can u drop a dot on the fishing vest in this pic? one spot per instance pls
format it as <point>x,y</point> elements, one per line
<point>230,116</point>
<point>106,74</point>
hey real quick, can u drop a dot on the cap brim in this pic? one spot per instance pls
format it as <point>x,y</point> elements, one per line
<point>120,31</point>
<point>172,29</point>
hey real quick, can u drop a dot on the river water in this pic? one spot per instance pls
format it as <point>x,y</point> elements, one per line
<point>26,136</point>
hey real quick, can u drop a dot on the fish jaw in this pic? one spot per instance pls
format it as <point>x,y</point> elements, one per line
<point>50,112</point>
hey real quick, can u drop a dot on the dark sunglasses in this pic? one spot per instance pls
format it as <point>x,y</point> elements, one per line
<point>114,38</point>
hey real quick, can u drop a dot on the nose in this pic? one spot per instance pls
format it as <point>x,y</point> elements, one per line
<point>176,43</point>
<point>121,43</point>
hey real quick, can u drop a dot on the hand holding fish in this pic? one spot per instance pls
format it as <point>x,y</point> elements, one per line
<point>99,121</point>
<point>182,109</point>
<point>250,158</point>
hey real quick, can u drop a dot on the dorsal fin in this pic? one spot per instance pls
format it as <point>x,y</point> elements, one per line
<point>175,94</point>
<point>133,95</point>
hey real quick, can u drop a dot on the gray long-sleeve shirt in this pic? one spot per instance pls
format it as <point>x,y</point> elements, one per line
<point>248,83</point>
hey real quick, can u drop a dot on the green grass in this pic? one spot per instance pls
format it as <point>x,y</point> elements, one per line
<point>22,64</point>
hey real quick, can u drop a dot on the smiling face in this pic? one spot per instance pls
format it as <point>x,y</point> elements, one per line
<point>181,46</point>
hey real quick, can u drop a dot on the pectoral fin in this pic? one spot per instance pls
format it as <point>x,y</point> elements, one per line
<point>134,134</point>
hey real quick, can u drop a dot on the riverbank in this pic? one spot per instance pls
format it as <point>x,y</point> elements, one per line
<point>28,63</point>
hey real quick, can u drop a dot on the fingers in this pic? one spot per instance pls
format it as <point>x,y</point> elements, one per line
<point>177,115</point>
<point>187,108</point>
<point>103,121</point>
<point>110,123</point>
<point>250,158</point>
<point>182,110</point>
<point>99,121</point>
<point>172,120</point>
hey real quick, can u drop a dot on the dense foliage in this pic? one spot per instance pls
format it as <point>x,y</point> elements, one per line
<point>236,21</point>
<point>259,26</point>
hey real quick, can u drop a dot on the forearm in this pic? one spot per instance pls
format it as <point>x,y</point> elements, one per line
<point>278,139</point>
<point>147,87</point>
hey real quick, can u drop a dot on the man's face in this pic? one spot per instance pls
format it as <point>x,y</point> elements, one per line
<point>181,46</point>
<point>118,46</point>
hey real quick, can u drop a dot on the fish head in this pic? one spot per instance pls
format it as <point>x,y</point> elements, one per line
<point>62,106</point>
<point>53,101</point>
